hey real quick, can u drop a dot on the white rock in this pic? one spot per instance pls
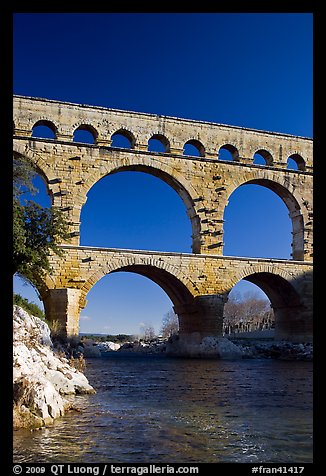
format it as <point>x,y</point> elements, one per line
<point>41,378</point>
<point>108,346</point>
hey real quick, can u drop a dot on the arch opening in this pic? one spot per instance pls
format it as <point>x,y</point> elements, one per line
<point>123,139</point>
<point>158,143</point>
<point>85,134</point>
<point>296,162</point>
<point>228,152</point>
<point>138,212</point>
<point>160,288</point>
<point>263,157</point>
<point>280,292</point>
<point>42,193</point>
<point>44,130</point>
<point>287,316</point>
<point>194,148</point>
<point>248,309</point>
<point>282,235</point>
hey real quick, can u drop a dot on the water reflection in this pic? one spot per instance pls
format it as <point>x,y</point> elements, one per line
<point>182,411</point>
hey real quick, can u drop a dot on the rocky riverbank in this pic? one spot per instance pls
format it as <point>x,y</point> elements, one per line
<point>281,350</point>
<point>222,347</point>
<point>44,382</point>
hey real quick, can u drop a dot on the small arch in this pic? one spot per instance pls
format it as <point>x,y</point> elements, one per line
<point>123,139</point>
<point>85,134</point>
<point>158,143</point>
<point>44,129</point>
<point>228,152</point>
<point>296,162</point>
<point>194,148</point>
<point>263,157</point>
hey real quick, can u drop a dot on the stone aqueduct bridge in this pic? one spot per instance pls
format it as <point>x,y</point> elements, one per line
<point>198,283</point>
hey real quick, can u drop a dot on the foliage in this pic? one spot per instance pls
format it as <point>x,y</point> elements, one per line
<point>56,330</point>
<point>170,324</point>
<point>36,230</point>
<point>23,174</point>
<point>119,338</point>
<point>30,307</point>
<point>78,363</point>
<point>109,338</point>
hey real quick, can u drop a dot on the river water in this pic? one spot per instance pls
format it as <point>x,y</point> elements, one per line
<point>153,409</point>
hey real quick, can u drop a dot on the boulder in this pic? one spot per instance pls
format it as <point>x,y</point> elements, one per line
<point>108,346</point>
<point>42,379</point>
<point>196,346</point>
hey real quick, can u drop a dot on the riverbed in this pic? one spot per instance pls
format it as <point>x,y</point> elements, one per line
<point>155,409</point>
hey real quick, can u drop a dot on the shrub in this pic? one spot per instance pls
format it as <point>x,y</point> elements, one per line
<point>28,306</point>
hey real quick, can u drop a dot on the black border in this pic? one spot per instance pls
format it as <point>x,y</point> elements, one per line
<point>6,91</point>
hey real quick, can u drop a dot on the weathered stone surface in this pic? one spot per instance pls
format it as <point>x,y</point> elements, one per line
<point>199,283</point>
<point>42,380</point>
<point>204,183</point>
<point>281,350</point>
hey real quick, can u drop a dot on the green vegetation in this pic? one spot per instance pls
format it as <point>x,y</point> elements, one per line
<point>36,230</point>
<point>119,338</point>
<point>28,306</point>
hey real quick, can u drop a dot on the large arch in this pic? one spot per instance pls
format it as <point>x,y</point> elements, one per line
<point>39,170</point>
<point>176,284</point>
<point>178,287</point>
<point>36,160</point>
<point>293,206</point>
<point>284,293</point>
<point>174,180</point>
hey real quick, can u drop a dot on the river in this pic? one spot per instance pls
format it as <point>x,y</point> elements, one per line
<point>153,409</point>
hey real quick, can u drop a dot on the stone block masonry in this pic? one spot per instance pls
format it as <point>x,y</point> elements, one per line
<point>198,283</point>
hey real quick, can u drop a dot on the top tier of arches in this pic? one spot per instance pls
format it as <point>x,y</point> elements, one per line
<point>158,134</point>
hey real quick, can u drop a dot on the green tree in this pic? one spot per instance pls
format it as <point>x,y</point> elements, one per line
<point>36,230</point>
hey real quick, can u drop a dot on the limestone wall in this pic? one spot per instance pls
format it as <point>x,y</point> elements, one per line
<point>204,183</point>
<point>198,284</point>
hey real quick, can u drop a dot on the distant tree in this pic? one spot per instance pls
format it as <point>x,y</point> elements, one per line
<point>36,230</point>
<point>247,313</point>
<point>170,324</point>
<point>119,337</point>
<point>147,331</point>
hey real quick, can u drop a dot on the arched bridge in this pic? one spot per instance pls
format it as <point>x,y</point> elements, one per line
<point>197,283</point>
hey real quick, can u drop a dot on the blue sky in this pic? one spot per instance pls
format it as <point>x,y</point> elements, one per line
<point>250,70</point>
